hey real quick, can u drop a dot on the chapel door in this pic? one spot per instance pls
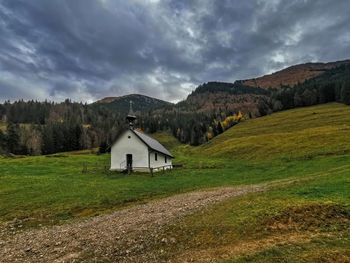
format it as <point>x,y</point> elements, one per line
<point>129,162</point>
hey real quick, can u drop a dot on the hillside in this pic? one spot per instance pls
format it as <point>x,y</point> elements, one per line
<point>299,133</point>
<point>225,97</point>
<point>141,103</point>
<point>303,85</point>
<point>292,75</point>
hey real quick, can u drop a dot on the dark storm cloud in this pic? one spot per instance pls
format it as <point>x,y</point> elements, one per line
<point>89,49</point>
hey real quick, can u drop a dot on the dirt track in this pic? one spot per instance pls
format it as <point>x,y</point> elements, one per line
<point>122,236</point>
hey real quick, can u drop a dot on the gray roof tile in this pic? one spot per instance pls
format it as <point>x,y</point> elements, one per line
<point>152,143</point>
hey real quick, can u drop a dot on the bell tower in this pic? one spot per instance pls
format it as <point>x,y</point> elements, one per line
<point>131,117</point>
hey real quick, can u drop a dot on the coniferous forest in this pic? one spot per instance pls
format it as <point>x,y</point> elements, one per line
<point>35,128</point>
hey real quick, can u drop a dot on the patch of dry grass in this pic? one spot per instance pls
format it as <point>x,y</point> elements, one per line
<point>3,126</point>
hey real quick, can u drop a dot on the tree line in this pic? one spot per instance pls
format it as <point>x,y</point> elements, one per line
<point>36,128</point>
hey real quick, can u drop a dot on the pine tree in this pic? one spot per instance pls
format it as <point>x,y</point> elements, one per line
<point>215,130</point>
<point>103,147</point>
<point>12,138</point>
<point>345,93</point>
<point>2,142</point>
<point>219,128</point>
<point>47,139</point>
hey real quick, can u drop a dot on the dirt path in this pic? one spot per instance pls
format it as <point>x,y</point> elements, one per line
<point>122,236</point>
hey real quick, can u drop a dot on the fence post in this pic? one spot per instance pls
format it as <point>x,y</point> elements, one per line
<point>84,168</point>
<point>151,170</point>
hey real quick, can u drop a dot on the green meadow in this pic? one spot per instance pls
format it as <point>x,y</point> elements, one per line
<point>41,190</point>
<point>304,143</point>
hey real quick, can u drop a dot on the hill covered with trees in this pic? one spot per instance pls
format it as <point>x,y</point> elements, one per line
<point>332,85</point>
<point>141,103</point>
<point>36,128</point>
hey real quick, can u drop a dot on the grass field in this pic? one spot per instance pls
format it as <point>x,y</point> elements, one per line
<point>41,190</point>
<point>306,142</point>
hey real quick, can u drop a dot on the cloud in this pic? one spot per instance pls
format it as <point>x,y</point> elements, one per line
<point>87,49</point>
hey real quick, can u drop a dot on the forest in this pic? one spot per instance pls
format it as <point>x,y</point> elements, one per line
<point>35,128</point>
<point>332,85</point>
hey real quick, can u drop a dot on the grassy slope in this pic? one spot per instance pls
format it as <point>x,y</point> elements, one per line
<point>48,190</point>
<point>305,222</point>
<point>300,133</point>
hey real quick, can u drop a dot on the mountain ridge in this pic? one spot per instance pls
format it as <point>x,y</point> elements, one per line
<point>140,103</point>
<point>293,74</point>
<point>248,96</point>
<point>132,95</point>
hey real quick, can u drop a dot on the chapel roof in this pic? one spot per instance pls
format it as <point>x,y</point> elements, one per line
<point>152,143</point>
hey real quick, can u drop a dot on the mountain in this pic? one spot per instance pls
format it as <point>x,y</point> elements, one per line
<point>292,75</point>
<point>315,83</point>
<point>242,95</point>
<point>141,103</point>
<point>225,97</point>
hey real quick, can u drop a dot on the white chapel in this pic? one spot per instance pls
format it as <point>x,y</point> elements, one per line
<point>135,151</point>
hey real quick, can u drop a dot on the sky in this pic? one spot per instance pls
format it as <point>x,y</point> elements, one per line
<point>86,50</point>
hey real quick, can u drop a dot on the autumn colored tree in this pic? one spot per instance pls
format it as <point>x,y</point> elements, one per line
<point>240,116</point>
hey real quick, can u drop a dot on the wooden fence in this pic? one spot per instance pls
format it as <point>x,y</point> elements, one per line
<point>162,168</point>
